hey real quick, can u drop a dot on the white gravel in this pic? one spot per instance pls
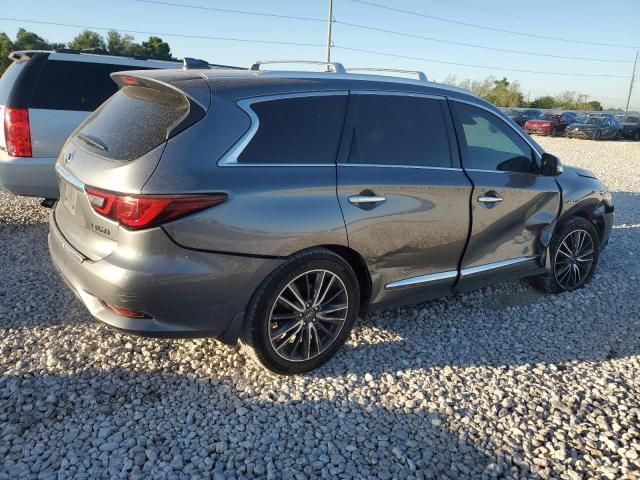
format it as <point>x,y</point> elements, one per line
<point>502,382</point>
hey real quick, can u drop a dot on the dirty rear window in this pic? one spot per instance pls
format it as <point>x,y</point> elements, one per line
<point>132,122</point>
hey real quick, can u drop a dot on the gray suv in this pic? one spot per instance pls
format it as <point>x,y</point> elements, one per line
<point>275,207</point>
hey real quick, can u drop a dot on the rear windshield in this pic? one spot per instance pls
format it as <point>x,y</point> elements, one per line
<point>132,122</point>
<point>8,79</point>
<point>80,86</point>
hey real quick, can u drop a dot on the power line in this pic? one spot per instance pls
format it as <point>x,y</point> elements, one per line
<point>421,37</point>
<point>166,34</point>
<point>374,52</point>
<point>466,24</point>
<point>225,10</point>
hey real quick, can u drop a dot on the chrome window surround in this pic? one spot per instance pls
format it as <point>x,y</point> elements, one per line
<point>520,134</point>
<point>230,159</point>
<point>465,272</point>
<point>376,165</point>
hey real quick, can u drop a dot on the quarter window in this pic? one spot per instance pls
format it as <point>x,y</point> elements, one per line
<point>297,130</point>
<point>399,130</point>
<point>491,144</point>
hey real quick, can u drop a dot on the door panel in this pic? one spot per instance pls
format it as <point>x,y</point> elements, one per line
<point>512,206</point>
<point>420,229</point>
<point>410,215</point>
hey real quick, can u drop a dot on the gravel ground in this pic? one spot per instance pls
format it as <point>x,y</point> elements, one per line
<point>501,382</point>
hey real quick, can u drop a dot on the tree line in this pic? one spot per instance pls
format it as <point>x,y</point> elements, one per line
<point>115,43</point>
<point>508,94</point>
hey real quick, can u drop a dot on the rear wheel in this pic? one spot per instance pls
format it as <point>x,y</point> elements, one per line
<point>302,313</point>
<point>574,252</point>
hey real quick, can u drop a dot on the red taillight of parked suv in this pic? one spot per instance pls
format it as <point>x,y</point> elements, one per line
<point>17,132</point>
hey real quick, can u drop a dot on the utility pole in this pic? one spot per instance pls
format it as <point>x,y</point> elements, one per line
<point>633,76</point>
<point>330,21</point>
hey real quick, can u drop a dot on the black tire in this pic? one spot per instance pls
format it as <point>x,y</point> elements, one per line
<point>554,281</point>
<point>553,132</point>
<point>636,135</point>
<point>256,337</point>
<point>597,135</point>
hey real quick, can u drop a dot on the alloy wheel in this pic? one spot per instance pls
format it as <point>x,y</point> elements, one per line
<point>308,315</point>
<point>574,259</point>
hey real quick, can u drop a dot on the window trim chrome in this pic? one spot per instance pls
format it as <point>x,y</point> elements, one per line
<point>390,165</point>
<point>477,105</point>
<point>65,174</point>
<point>230,159</point>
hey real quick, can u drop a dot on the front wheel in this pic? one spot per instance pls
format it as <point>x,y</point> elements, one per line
<point>598,135</point>
<point>302,313</point>
<point>573,253</point>
<point>636,136</point>
<point>553,132</point>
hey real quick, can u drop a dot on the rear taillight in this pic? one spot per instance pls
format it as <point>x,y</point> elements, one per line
<point>17,132</point>
<point>136,212</point>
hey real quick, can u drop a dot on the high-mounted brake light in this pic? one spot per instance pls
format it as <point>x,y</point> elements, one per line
<point>17,133</point>
<point>136,212</point>
<point>130,80</point>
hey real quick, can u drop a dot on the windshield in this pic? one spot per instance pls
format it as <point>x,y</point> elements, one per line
<point>513,113</point>
<point>630,119</point>
<point>550,116</point>
<point>594,121</point>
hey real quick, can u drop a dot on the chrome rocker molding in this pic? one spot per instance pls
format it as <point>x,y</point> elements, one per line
<point>466,272</point>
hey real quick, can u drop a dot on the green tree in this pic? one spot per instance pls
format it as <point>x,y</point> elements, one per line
<point>88,39</point>
<point>505,94</point>
<point>544,102</point>
<point>118,43</point>
<point>6,47</point>
<point>594,105</point>
<point>156,48</point>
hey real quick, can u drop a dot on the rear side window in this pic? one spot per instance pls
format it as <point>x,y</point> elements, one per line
<point>132,122</point>
<point>399,130</point>
<point>491,144</point>
<point>81,86</point>
<point>298,130</point>
<point>8,79</point>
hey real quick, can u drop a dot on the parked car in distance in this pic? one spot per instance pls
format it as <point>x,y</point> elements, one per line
<point>596,128</point>
<point>44,96</point>
<point>522,116</point>
<point>631,127</point>
<point>550,123</point>
<point>276,207</point>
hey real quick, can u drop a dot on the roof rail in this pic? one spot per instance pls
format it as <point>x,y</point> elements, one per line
<point>189,63</point>
<point>421,76</point>
<point>331,66</point>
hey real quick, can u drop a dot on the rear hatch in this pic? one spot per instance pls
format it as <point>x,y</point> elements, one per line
<point>117,148</point>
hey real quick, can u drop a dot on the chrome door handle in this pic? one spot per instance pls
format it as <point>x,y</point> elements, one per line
<point>360,199</point>
<point>488,199</point>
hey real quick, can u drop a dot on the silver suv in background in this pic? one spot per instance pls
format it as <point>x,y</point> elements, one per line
<point>44,96</point>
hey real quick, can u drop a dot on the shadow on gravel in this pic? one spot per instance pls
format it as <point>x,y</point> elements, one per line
<point>189,425</point>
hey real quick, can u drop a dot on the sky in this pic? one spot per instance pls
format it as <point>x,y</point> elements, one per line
<point>615,22</point>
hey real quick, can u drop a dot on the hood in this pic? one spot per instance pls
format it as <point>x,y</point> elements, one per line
<point>581,172</point>
<point>583,126</point>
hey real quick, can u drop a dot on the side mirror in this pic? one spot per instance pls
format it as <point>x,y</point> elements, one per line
<point>551,165</point>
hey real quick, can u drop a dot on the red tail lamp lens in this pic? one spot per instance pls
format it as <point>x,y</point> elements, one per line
<point>17,132</point>
<point>138,212</point>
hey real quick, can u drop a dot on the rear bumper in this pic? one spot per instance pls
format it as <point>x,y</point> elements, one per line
<point>185,293</point>
<point>29,176</point>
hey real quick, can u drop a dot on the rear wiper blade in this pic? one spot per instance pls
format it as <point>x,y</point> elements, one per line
<point>94,142</point>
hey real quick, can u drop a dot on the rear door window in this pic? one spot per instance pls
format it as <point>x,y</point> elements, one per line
<point>296,130</point>
<point>132,122</point>
<point>80,86</point>
<point>399,130</point>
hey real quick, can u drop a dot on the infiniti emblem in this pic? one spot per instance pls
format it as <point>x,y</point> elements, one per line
<point>68,157</point>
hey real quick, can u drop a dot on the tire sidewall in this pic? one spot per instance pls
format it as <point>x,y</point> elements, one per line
<point>574,224</point>
<point>257,324</point>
